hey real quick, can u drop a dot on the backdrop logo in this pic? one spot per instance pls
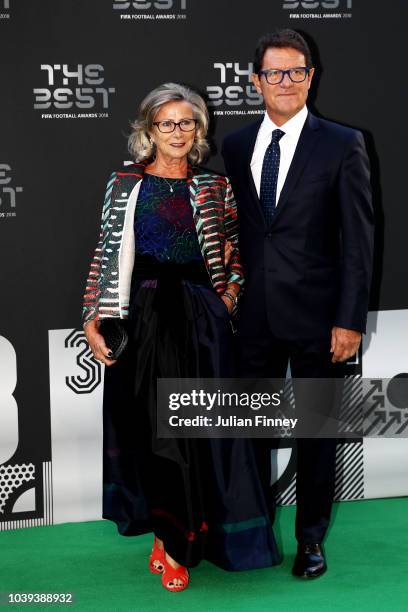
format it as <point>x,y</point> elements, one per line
<point>235,94</point>
<point>8,193</point>
<point>4,9</point>
<point>81,88</point>
<point>21,481</point>
<point>386,406</point>
<point>169,10</point>
<point>318,9</point>
<point>91,369</point>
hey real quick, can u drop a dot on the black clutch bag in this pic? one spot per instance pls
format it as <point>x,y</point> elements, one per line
<point>115,336</point>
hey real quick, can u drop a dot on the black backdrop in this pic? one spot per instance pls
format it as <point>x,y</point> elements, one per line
<point>54,162</point>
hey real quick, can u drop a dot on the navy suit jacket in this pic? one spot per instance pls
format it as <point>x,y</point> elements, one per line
<point>311,268</point>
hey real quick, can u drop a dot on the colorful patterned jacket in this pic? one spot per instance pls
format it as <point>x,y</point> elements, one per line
<point>215,217</point>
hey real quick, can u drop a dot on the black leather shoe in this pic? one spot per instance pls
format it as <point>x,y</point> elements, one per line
<point>309,561</point>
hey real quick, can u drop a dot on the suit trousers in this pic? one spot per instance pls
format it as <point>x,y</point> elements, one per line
<point>268,357</point>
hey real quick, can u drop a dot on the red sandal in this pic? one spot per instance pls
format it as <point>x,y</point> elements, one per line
<point>171,573</point>
<point>157,559</point>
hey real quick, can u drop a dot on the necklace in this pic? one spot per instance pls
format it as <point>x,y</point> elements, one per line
<point>169,184</point>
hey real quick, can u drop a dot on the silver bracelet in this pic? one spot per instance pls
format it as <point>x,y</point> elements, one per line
<point>232,297</point>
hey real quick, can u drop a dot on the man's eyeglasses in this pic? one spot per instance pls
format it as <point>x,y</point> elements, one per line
<point>275,76</point>
<point>167,126</point>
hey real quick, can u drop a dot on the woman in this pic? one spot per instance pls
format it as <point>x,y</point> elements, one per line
<point>163,265</point>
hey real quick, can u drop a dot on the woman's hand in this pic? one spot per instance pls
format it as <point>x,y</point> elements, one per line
<point>228,250</point>
<point>97,343</point>
<point>230,296</point>
<point>228,303</point>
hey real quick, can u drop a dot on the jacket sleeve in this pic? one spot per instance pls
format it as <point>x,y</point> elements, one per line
<point>234,269</point>
<point>357,236</point>
<point>92,294</point>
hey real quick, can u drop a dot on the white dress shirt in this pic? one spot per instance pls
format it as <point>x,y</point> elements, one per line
<point>287,143</point>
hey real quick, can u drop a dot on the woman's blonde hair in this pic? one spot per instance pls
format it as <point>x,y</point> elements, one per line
<point>141,145</point>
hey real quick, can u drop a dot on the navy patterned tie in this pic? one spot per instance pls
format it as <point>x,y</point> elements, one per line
<point>269,176</point>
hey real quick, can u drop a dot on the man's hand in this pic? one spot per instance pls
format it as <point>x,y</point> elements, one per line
<point>344,343</point>
<point>97,343</point>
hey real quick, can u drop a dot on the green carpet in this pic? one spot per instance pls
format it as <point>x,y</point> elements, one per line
<point>367,552</point>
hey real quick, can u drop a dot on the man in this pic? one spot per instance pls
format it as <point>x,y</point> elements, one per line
<point>302,186</point>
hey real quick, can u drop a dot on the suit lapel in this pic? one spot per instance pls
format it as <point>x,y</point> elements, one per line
<point>307,141</point>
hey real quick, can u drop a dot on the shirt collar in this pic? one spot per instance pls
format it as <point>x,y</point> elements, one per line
<point>293,127</point>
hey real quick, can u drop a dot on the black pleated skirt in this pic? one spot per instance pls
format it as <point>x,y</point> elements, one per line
<point>202,497</point>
